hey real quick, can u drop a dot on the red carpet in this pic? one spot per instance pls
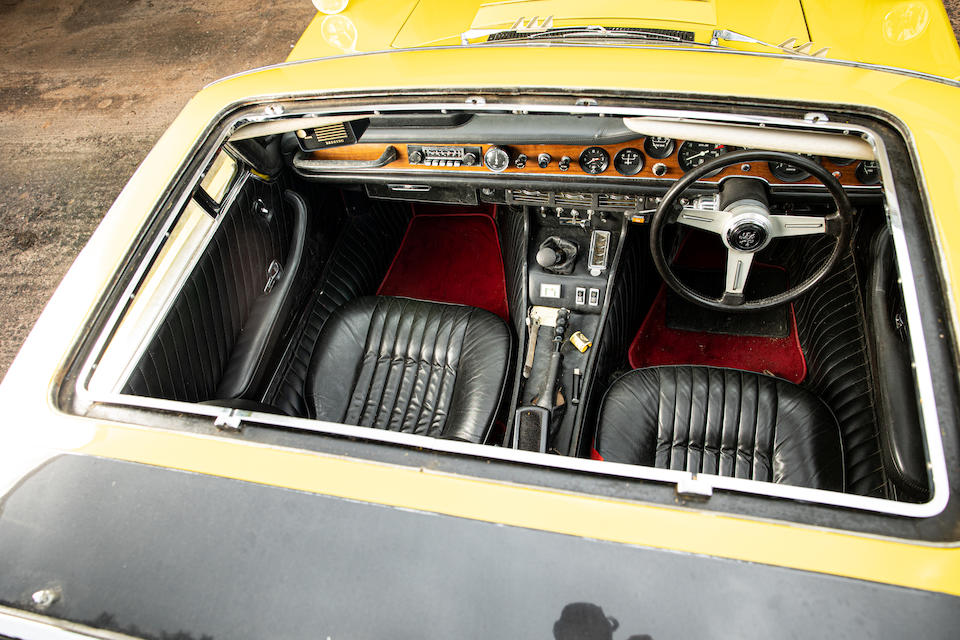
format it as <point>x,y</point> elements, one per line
<point>657,344</point>
<point>451,257</point>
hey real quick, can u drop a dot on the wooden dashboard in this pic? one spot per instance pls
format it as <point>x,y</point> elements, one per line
<point>668,167</point>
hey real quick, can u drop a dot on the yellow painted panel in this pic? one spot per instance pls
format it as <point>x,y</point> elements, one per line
<point>365,25</point>
<point>928,110</point>
<point>492,14</point>
<point>911,34</point>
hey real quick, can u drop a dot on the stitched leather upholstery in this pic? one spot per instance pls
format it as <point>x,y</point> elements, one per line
<point>218,335</point>
<point>830,322</point>
<point>721,421</point>
<point>355,268</point>
<point>412,366</point>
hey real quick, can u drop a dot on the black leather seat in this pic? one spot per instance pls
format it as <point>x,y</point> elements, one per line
<point>412,366</point>
<point>721,421</point>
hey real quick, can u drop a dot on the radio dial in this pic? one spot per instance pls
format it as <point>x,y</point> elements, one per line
<point>416,157</point>
<point>468,160</point>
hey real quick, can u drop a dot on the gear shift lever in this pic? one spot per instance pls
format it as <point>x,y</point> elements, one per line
<point>557,255</point>
<point>549,257</point>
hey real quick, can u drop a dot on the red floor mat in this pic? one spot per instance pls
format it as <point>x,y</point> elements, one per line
<point>453,257</point>
<point>657,344</point>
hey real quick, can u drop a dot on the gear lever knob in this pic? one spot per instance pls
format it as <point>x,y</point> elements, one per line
<point>549,257</point>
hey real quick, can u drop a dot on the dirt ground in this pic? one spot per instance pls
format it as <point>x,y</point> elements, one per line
<point>86,88</point>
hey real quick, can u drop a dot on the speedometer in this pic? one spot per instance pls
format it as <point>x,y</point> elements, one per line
<point>594,160</point>
<point>693,154</point>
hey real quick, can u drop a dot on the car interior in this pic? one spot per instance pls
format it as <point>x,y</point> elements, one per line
<point>708,291</point>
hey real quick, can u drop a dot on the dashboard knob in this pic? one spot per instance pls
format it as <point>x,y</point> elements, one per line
<point>416,157</point>
<point>659,169</point>
<point>469,160</point>
<point>543,160</point>
<point>496,159</point>
<point>521,161</point>
<point>565,163</point>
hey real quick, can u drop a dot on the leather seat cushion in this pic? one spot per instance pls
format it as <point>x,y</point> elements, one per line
<point>724,422</point>
<point>412,366</point>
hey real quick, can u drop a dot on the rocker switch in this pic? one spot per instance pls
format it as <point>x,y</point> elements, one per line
<point>594,297</point>
<point>549,290</point>
<point>581,295</point>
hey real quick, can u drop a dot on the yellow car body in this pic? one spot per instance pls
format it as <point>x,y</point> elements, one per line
<point>897,58</point>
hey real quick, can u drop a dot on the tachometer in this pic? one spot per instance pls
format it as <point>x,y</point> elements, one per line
<point>693,154</point>
<point>594,160</point>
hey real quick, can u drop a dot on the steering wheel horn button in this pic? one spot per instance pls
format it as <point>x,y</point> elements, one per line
<point>747,236</point>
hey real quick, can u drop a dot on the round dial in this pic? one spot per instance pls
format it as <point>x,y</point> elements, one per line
<point>693,154</point>
<point>628,161</point>
<point>868,172</point>
<point>790,173</point>
<point>659,148</point>
<point>841,162</point>
<point>594,160</point>
<point>496,159</point>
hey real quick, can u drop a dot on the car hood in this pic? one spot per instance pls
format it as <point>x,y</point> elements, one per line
<point>912,35</point>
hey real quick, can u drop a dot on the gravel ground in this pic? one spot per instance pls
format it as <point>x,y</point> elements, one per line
<point>86,88</point>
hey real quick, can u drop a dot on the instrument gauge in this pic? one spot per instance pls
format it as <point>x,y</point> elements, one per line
<point>628,161</point>
<point>659,148</point>
<point>789,172</point>
<point>594,160</point>
<point>497,159</point>
<point>868,172</point>
<point>842,162</point>
<point>693,154</point>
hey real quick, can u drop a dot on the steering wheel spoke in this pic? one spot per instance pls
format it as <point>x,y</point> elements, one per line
<point>788,226</point>
<point>703,219</point>
<point>738,268</point>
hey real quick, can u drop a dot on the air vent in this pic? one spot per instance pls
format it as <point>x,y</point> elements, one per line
<point>665,35</point>
<point>583,201</point>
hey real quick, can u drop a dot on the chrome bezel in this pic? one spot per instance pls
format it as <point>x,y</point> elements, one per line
<point>923,377</point>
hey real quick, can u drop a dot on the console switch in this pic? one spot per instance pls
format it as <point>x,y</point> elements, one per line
<point>594,297</point>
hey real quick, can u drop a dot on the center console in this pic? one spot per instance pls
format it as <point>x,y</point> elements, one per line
<point>571,255</point>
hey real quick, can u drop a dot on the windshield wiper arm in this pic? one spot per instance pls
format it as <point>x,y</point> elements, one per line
<point>787,46</point>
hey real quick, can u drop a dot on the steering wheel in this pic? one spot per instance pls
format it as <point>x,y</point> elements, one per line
<point>745,225</point>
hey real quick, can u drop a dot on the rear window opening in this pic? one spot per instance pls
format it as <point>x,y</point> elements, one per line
<point>486,286</point>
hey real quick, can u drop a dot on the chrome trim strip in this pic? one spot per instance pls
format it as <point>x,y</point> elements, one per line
<point>496,45</point>
<point>25,625</point>
<point>936,458</point>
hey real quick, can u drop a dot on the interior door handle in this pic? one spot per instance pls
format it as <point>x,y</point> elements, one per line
<point>301,161</point>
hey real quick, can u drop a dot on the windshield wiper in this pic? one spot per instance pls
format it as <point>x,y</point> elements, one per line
<point>534,29</point>
<point>787,46</point>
